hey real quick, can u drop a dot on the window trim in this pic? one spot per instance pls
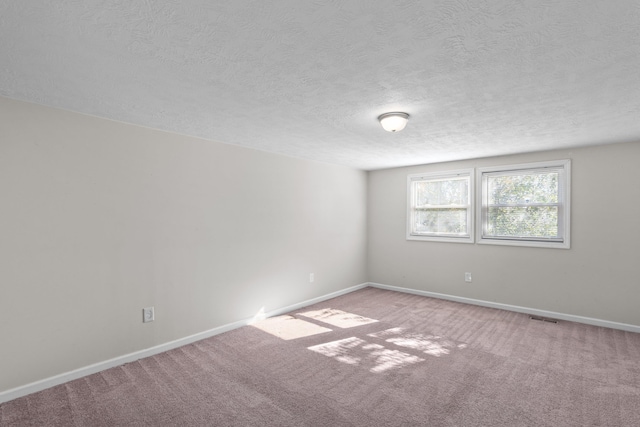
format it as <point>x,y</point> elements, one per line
<point>564,205</point>
<point>470,237</point>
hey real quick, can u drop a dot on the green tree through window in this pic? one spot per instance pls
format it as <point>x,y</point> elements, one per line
<point>523,205</point>
<point>526,203</point>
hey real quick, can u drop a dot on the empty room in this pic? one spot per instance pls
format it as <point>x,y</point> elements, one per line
<point>308,213</point>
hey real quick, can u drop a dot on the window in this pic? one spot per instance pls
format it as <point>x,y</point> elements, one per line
<point>440,206</point>
<point>525,205</point>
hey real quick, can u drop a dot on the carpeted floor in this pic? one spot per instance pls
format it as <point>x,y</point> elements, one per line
<point>369,358</point>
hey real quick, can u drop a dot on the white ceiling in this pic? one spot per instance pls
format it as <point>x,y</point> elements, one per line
<point>307,78</point>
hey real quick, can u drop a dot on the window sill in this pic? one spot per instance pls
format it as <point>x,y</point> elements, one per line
<point>440,239</point>
<point>527,243</point>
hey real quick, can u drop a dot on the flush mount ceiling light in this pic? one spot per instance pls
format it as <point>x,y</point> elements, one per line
<point>393,122</point>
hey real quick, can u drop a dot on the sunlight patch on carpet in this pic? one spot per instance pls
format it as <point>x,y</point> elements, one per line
<point>432,345</point>
<point>338,318</point>
<point>356,351</point>
<point>340,349</point>
<point>289,328</point>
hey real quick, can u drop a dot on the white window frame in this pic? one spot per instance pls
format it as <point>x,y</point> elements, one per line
<point>469,237</point>
<point>564,205</point>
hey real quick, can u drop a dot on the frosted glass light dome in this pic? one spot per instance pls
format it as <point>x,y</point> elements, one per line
<point>393,122</point>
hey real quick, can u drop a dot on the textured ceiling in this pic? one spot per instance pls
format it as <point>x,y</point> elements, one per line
<point>308,78</point>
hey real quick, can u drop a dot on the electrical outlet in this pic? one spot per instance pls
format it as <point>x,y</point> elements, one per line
<point>148,315</point>
<point>467,277</point>
<point>311,277</point>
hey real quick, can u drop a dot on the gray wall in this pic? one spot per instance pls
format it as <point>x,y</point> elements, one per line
<point>596,278</point>
<point>100,219</point>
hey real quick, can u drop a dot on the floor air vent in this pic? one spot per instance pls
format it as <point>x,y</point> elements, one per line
<point>543,319</point>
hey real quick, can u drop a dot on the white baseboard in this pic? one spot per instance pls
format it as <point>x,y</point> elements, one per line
<point>518,309</point>
<point>40,385</point>
<point>34,387</point>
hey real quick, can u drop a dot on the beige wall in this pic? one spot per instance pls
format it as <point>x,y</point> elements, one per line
<point>597,277</point>
<point>100,219</point>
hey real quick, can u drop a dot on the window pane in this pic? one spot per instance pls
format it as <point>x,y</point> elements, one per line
<point>531,221</point>
<point>439,206</point>
<point>536,187</point>
<point>449,221</point>
<point>454,191</point>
